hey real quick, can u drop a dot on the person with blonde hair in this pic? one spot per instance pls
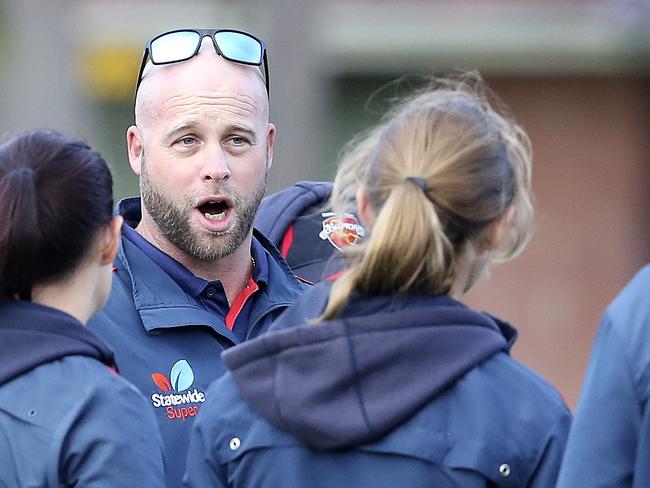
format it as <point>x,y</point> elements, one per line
<point>300,220</point>
<point>393,381</point>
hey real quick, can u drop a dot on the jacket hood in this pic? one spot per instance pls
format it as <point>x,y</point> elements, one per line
<point>32,334</point>
<point>352,380</point>
<point>278,211</point>
<point>310,237</point>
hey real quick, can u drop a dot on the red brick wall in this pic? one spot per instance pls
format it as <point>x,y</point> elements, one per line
<point>591,174</point>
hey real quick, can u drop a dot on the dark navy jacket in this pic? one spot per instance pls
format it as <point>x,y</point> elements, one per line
<point>168,345</point>
<point>65,418</point>
<point>609,444</point>
<point>300,223</point>
<point>412,391</point>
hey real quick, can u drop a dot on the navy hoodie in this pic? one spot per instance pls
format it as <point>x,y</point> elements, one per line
<point>402,391</point>
<point>300,223</point>
<point>66,418</point>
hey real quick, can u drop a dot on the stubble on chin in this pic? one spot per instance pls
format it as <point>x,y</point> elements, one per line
<point>174,221</point>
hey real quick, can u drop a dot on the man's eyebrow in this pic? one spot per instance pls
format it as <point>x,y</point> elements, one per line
<point>181,129</point>
<point>252,134</point>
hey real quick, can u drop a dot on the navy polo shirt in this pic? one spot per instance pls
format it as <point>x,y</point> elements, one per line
<point>210,294</point>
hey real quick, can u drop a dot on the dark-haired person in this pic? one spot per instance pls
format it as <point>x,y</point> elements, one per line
<point>397,383</point>
<point>192,277</point>
<point>66,417</point>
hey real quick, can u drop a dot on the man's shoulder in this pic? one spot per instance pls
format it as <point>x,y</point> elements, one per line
<point>136,275</point>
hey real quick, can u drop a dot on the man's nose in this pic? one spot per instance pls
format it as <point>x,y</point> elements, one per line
<point>216,166</point>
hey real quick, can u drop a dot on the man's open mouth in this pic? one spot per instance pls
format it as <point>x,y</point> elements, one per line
<point>216,209</point>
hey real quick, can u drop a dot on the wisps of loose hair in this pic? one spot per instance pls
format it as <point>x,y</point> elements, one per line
<point>475,162</point>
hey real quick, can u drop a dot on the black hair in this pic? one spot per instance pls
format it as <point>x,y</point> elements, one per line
<point>56,192</point>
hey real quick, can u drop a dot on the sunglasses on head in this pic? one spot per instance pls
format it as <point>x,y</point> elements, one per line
<point>181,45</point>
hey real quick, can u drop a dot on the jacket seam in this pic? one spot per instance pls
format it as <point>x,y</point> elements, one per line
<point>355,382</point>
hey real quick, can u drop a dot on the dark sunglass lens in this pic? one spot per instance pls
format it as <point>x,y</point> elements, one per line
<point>174,46</point>
<point>239,47</point>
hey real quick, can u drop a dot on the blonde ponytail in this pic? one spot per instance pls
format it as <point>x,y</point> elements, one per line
<point>437,172</point>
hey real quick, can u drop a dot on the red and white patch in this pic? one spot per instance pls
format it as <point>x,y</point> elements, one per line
<point>341,230</point>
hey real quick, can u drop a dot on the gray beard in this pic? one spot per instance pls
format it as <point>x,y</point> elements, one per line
<point>173,221</point>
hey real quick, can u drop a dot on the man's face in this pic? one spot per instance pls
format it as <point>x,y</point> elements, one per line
<point>173,217</point>
<point>206,148</point>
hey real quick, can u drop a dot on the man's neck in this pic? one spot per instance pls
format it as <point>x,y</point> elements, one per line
<point>233,271</point>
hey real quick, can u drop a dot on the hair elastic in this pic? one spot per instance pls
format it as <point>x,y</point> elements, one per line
<point>419,182</point>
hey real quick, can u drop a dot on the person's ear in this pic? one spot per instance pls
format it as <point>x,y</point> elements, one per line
<point>134,145</point>
<point>498,230</point>
<point>364,209</point>
<point>110,240</point>
<point>270,139</point>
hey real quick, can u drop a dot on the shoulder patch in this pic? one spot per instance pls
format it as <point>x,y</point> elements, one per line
<point>341,230</point>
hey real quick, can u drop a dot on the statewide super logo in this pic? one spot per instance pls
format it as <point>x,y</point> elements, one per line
<point>177,404</point>
<point>341,230</point>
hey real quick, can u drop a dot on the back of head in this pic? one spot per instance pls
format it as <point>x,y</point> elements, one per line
<point>56,193</point>
<point>439,169</point>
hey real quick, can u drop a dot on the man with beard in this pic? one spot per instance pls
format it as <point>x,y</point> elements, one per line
<point>192,277</point>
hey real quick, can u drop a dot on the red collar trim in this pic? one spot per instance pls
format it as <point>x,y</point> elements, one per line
<point>287,242</point>
<point>237,306</point>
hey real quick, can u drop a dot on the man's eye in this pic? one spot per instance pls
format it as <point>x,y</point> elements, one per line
<point>238,141</point>
<point>187,141</point>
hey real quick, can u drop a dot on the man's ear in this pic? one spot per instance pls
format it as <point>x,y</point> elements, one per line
<point>498,230</point>
<point>135,148</point>
<point>270,139</point>
<point>110,240</point>
<point>364,209</point>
